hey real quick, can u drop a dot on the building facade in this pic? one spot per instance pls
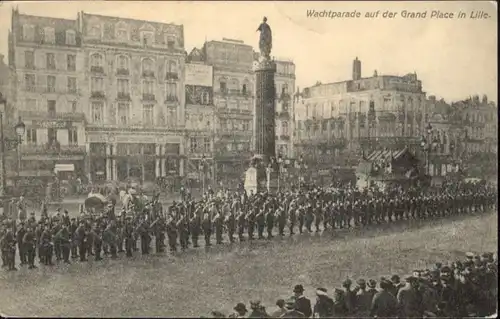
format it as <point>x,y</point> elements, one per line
<point>285,91</point>
<point>47,65</point>
<point>133,79</point>
<point>336,122</point>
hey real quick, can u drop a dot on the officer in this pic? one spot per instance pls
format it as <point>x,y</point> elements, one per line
<point>19,238</point>
<point>29,247</point>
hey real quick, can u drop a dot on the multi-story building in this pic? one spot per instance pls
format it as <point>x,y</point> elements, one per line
<point>285,89</point>
<point>200,118</point>
<point>133,80</point>
<point>335,122</point>
<point>47,62</point>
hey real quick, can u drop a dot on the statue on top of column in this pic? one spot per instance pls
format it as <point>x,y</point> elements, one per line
<point>266,39</point>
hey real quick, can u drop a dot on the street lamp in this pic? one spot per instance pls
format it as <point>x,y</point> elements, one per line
<point>202,172</point>
<point>20,129</point>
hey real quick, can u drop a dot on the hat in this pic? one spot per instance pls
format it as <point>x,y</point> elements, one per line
<point>321,292</point>
<point>240,307</point>
<point>361,282</point>
<point>347,282</point>
<point>298,289</point>
<point>255,304</point>
<point>469,255</point>
<point>372,283</point>
<point>395,279</point>
<point>411,279</point>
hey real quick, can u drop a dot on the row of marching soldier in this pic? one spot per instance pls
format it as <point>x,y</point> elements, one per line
<point>237,215</point>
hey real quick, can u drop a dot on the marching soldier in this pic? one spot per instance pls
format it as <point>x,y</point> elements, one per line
<point>281,218</point>
<point>231,226</point>
<point>47,246</point>
<point>109,237</point>
<point>74,238</point>
<point>318,217</point>
<point>128,233</point>
<point>81,238</point>
<point>241,225</point>
<point>172,234</point>
<point>195,229</point>
<point>20,246</point>
<point>95,232</point>
<point>29,244</point>
<point>301,218</point>
<point>9,249</point>
<point>183,233</point>
<point>250,218</point>
<point>269,223</point>
<point>206,225</point>
<point>63,238</point>
<point>218,223</point>
<point>260,218</point>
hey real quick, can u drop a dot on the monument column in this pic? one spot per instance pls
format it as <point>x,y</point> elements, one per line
<point>262,175</point>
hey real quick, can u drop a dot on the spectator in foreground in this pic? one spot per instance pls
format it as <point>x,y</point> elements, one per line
<point>281,309</point>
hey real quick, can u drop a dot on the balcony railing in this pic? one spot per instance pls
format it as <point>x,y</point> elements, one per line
<point>97,95</point>
<point>123,96</point>
<point>52,116</point>
<point>171,76</point>
<point>122,72</point>
<point>97,69</point>
<point>148,74</point>
<point>148,97</point>
<point>52,149</point>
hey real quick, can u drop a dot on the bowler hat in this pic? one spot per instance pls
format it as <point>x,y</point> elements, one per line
<point>298,289</point>
<point>240,307</point>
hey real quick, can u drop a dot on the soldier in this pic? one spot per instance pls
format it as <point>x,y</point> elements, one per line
<point>206,225</point>
<point>81,237</point>
<point>63,237</point>
<point>241,225</point>
<point>195,229</point>
<point>269,218</point>
<point>74,237</point>
<point>119,233</point>
<point>231,226</point>
<point>281,219</point>
<point>143,232</point>
<point>301,218</point>
<point>47,246</point>
<point>128,233</point>
<point>109,237</point>
<point>183,233</point>
<point>250,218</point>
<point>260,218</point>
<point>318,217</point>
<point>9,249</point>
<point>218,223</point>
<point>29,244</point>
<point>158,228</point>
<point>309,217</point>
<point>292,217</point>
<point>172,233</point>
<point>19,238</point>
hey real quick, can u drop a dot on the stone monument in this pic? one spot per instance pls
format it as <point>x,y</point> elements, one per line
<point>262,174</point>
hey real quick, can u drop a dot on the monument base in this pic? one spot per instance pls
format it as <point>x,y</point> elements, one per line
<point>259,179</point>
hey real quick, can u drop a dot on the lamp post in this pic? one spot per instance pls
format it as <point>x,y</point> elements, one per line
<point>202,173</point>
<point>3,104</point>
<point>20,130</point>
<point>279,162</point>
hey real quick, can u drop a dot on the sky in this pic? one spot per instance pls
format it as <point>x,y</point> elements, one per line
<point>454,58</point>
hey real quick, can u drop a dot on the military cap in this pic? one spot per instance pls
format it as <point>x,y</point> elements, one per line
<point>372,283</point>
<point>361,282</point>
<point>240,307</point>
<point>347,282</point>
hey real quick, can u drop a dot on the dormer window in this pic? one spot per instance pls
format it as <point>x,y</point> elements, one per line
<point>28,32</point>
<point>49,35</point>
<point>170,41</point>
<point>70,37</point>
<point>95,31</point>
<point>147,38</point>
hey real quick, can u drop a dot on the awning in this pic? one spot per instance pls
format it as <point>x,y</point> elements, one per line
<point>64,168</point>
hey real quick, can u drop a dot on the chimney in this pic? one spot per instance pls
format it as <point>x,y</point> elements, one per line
<point>356,69</point>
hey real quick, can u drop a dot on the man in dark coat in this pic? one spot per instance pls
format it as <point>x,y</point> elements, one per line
<point>384,304</point>
<point>302,304</point>
<point>324,304</point>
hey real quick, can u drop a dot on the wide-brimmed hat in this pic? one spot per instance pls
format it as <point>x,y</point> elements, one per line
<point>298,289</point>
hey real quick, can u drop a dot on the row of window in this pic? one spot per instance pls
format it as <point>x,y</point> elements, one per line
<point>50,84</point>
<point>50,61</point>
<point>199,145</point>
<point>48,35</point>
<point>31,136</point>
<point>147,38</point>
<point>122,115</point>
<point>123,64</point>
<point>148,88</point>
<point>480,118</point>
<point>31,105</point>
<point>229,125</point>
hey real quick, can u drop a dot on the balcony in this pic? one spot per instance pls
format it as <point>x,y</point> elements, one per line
<point>97,69</point>
<point>52,116</point>
<point>148,97</point>
<point>171,76</point>
<point>124,72</point>
<point>171,99</point>
<point>123,96</point>
<point>53,149</point>
<point>97,95</point>
<point>148,74</point>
